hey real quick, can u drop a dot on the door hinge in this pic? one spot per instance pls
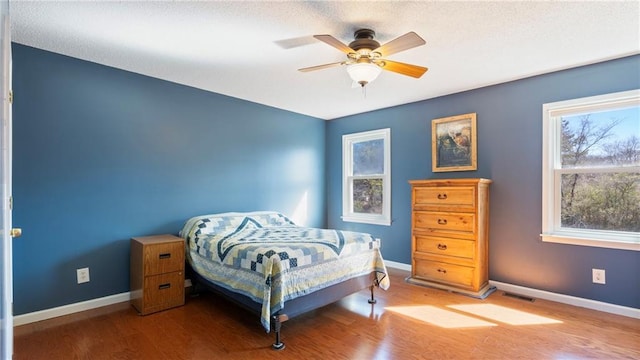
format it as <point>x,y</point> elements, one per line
<point>10,96</point>
<point>11,203</point>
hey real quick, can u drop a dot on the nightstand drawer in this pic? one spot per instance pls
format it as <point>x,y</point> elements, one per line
<point>444,273</point>
<point>445,246</point>
<point>163,291</point>
<point>163,258</point>
<point>444,221</point>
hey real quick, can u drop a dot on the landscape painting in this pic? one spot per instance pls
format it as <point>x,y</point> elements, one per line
<point>454,144</point>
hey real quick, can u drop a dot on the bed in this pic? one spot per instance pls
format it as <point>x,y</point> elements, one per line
<point>266,263</point>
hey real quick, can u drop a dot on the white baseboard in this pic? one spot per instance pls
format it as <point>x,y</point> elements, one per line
<point>520,290</point>
<point>546,295</point>
<point>570,300</point>
<point>74,308</point>
<point>70,309</point>
<point>397,265</point>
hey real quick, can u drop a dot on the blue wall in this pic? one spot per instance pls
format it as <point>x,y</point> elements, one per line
<point>509,122</point>
<point>101,155</point>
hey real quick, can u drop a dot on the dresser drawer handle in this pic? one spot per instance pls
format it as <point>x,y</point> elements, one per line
<point>168,285</point>
<point>165,256</point>
<point>442,247</point>
<point>442,221</point>
<point>442,196</point>
<point>442,271</point>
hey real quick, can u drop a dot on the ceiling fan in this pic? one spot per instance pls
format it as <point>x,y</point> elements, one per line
<point>366,57</point>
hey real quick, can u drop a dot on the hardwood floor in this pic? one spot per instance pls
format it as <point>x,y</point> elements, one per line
<point>408,322</point>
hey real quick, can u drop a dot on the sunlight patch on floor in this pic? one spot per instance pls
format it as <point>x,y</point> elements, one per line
<point>439,317</point>
<point>504,314</point>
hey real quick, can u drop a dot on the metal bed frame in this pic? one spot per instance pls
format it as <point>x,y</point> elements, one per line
<point>296,306</point>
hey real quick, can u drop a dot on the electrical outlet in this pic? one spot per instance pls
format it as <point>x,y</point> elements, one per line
<point>598,276</point>
<point>83,275</point>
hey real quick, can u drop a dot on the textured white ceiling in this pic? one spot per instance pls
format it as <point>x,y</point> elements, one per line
<point>252,50</point>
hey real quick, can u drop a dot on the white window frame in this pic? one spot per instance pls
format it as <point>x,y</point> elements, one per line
<point>348,177</point>
<point>552,231</point>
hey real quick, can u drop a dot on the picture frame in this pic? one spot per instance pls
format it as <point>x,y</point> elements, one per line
<point>454,145</point>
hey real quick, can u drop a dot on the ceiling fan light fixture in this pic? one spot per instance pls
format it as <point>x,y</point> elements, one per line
<point>363,73</point>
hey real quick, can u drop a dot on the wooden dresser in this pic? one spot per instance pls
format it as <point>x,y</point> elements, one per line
<point>450,235</point>
<point>157,273</point>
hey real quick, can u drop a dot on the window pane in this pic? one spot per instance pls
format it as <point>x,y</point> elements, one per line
<point>604,139</point>
<point>601,201</point>
<point>367,196</point>
<point>368,157</point>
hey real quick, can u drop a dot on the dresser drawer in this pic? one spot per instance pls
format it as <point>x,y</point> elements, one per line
<point>456,275</point>
<point>163,291</point>
<point>445,246</point>
<point>445,196</point>
<point>444,221</point>
<point>163,258</point>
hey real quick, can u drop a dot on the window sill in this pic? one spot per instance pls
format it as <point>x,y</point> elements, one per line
<point>633,245</point>
<point>367,220</point>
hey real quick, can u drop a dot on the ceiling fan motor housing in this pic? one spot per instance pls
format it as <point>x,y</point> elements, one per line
<point>364,40</point>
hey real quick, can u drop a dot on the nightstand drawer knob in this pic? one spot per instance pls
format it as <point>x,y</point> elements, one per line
<point>165,256</point>
<point>442,196</point>
<point>442,221</point>
<point>442,247</point>
<point>164,286</point>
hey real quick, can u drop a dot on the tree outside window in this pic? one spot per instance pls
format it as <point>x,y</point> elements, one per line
<point>366,177</point>
<point>368,163</point>
<point>591,171</point>
<point>610,198</point>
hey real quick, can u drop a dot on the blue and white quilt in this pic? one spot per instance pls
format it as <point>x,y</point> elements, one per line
<point>265,256</point>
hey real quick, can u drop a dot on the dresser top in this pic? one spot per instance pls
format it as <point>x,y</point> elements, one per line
<point>450,182</point>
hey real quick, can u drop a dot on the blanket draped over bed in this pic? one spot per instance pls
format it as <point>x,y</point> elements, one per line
<point>266,257</point>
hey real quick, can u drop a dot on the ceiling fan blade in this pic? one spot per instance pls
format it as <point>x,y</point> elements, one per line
<point>330,40</point>
<point>320,67</point>
<point>402,43</point>
<point>404,69</point>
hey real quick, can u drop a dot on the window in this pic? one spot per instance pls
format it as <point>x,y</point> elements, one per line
<point>366,177</point>
<point>591,171</point>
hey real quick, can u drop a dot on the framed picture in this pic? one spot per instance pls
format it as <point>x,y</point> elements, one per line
<point>454,144</point>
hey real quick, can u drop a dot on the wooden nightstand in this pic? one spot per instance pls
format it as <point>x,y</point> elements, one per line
<point>157,273</point>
